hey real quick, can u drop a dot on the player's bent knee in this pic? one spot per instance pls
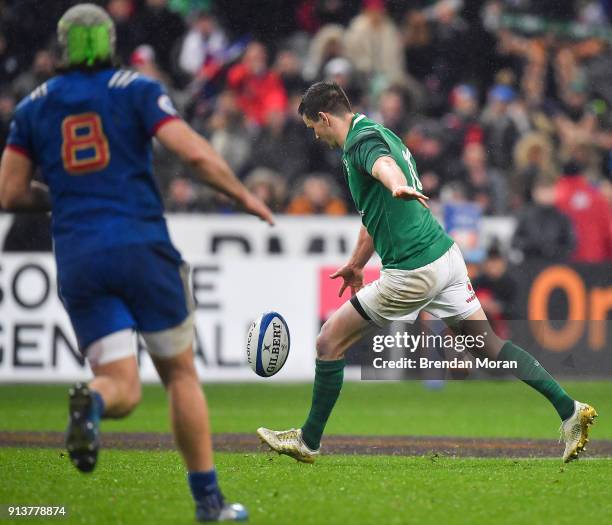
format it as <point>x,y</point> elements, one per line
<point>134,396</point>
<point>127,397</point>
<point>321,347</point>
<point>124,408</point>
<point>326,349</point>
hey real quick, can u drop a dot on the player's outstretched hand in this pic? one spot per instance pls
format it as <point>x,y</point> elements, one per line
<point>351,278</point>
<point>408,193</point>
<point>254,206</point>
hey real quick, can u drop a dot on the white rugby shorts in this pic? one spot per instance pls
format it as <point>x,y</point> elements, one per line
<point>441,288</point>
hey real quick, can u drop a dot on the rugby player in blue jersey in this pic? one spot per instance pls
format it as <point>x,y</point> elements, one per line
<point>89,130</point>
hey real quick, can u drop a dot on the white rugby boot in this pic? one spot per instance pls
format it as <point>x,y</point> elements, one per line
<point>575,430</point>
<point>288,442</point>
<point>228,512</point>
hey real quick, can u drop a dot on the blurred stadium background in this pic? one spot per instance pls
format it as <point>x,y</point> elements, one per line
<point>506,106</point>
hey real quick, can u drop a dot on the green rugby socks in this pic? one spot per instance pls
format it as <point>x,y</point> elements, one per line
<point>329,376</point>
<point>533,373</point>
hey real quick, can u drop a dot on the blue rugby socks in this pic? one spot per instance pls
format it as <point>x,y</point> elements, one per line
<point>206,492</point>
<point>97,407</point>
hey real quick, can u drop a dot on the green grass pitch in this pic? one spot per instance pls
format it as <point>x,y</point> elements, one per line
<point>149,487</point>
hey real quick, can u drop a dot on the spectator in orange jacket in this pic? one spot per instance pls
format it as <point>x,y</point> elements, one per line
<point>317,196</point>
<point>258,90</point>
<point>589,212</point>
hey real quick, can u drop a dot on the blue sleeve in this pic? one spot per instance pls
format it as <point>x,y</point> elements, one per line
<point>20,133</point>
<point>153,104</point>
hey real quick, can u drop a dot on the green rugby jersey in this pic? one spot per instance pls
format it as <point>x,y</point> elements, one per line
<point>406,235</point>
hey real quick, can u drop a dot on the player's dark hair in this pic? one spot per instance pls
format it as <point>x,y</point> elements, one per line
<point>325,97</point>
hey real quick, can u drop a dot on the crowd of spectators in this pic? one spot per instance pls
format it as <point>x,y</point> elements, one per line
<point>507,103</point>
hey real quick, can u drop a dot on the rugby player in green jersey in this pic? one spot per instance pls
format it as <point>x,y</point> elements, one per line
<point>422,269</point>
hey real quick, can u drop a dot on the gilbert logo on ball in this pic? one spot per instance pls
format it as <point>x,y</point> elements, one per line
<point>268,344</point>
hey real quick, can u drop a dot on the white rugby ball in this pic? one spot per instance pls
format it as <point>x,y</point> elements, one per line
<point>268,344</point>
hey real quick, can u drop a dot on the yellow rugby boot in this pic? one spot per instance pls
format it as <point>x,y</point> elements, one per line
<point>575,430</point>
<point>288,442</point>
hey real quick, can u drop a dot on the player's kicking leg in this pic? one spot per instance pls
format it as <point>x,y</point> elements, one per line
<point>190,425</point>
<point>576,417</point>
<point>114,392</point>
<point>344,328</point>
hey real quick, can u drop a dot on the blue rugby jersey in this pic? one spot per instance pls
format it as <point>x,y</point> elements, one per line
<point>90,134</point>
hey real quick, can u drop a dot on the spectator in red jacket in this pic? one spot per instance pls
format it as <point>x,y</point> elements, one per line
<point>258,90</point>
<point>590,215</point>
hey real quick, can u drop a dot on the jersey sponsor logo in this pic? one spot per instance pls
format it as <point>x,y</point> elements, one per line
<point>84,146</point>
<point>165,104</point>
<point>471,293</point>
<point>122,79</point>
<point>39,92</point>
